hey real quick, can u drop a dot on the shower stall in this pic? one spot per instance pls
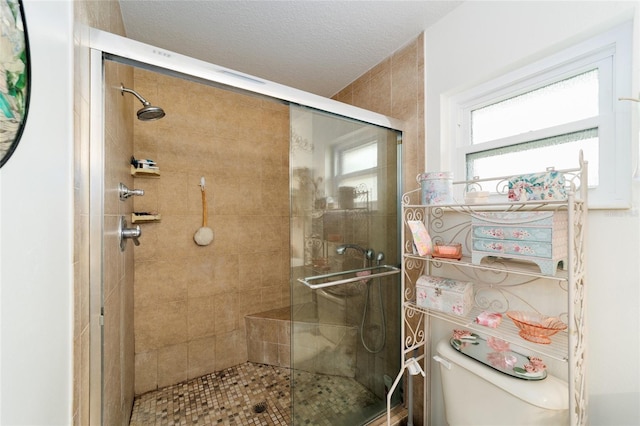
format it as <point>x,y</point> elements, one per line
<point>304,210</point>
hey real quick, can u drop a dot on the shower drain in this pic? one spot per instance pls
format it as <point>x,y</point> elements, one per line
<point>260,407</point>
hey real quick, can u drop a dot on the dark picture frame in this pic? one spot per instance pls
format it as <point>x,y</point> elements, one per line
<point>15,76</point>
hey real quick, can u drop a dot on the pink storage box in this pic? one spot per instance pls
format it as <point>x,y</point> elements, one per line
<point>444,294</point>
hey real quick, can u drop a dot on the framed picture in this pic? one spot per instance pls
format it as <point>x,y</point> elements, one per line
<point>14,76</point>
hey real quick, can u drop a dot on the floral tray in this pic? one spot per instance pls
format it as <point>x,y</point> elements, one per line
<point>495,353</point>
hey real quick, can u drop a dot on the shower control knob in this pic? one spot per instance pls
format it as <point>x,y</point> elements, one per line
<point>128,233</point>
<point>133,233</point>
<point>125,192</point>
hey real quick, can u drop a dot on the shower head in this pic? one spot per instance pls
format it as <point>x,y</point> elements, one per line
<point>148,112</point>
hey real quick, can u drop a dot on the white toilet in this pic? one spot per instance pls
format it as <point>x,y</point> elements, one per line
<point>475,394</point>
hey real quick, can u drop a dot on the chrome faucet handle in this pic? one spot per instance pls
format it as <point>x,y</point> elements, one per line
<point>128,233</point>
<point>133,233</point>
<point>125,192</point>
<point>369,254</point>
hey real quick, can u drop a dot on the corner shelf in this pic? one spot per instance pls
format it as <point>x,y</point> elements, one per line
<point>140,172</point>
<point>140,218</point>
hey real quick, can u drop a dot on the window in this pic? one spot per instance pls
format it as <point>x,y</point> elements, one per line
<point>357,166</point>
<point>544,114</point>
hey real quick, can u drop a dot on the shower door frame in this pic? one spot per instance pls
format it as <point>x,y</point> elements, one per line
<point>129,51</point>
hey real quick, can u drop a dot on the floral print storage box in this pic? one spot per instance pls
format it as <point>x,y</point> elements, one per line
<point>444,294</point>
<point>538,237</point>
<point>547,186</point>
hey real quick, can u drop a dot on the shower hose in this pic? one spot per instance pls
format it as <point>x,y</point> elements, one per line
<point>383,320</point>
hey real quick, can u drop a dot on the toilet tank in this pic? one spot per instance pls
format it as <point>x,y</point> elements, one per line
<point>475,394</point>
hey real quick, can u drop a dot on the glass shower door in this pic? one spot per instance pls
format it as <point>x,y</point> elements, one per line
<point>345,289</point>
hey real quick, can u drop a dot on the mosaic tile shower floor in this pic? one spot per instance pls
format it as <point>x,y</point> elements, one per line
<point>252,394</point>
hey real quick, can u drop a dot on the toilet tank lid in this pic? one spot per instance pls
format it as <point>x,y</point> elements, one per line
<point>551,393</point>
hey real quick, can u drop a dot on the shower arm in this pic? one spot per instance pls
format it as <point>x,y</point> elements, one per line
<point>134,93</point>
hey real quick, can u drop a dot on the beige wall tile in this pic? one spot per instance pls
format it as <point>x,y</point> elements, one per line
<point>230,349</point>
<point>270,330</point>
<point>175,236</point>
<point>284,332</point>
<point>149,247</point>
<point>160,325</point>
<point>272,297</point>
<point>253,328</point>
<point>284,356</point>
<point>201,357</point>
<point>250,269</point>
<point>172,364</point>
<point>173,193</point>
<point>270,353</point>
<point>251,302</point>
<point>380,84</point>
<point>362,92</point>
<point>201,318</point>
<point>271,235</point>
<point>255,351</point>
<point>226,229</point>
<point>213,276</point>
<point>259,269</point>
<point>146,364</point>
<point>159,282</point>
<point>404,83</point>
<point>225,309</point>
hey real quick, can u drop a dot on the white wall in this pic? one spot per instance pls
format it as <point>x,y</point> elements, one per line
<point>36,243</point>
<point>480,40</point>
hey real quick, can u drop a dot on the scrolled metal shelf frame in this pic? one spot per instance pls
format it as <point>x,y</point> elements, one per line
<point>496,278</point>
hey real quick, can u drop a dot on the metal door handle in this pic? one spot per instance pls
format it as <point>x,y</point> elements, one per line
<point>374,272</point>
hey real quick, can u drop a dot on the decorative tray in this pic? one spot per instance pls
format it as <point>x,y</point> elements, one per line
<point>495,353</point>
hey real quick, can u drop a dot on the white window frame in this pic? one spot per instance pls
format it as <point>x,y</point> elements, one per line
<point>339,149</point>
<point>611,53</point>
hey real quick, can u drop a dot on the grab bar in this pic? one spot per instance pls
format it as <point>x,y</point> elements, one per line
<point>386,270</point>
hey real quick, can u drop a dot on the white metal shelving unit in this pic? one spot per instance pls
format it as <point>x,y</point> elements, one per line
<point>495,278</point>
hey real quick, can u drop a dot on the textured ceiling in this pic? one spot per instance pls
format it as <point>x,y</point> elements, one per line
<point>316,46</point>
